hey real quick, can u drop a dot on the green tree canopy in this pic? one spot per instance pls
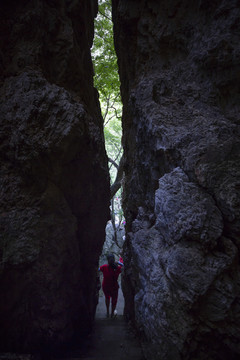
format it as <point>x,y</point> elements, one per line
<point>106,80</point>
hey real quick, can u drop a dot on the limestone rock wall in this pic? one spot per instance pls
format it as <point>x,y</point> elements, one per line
<point>179,70</point>
<point>111,245</point>
<point>54,180</point>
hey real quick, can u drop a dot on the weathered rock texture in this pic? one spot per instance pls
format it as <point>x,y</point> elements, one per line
<point>180,75</point>
<point>54,175</point>
<point>111,245</point>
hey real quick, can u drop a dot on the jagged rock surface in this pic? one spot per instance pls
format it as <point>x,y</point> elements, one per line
<point>179,70</point>
<point>111,245</point>
<point>54,177</point>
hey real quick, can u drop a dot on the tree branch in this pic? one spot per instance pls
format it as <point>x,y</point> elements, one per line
<point>105,15</point>
<point>108,120</point>
<point>113,162</point>
<point>118,180</point>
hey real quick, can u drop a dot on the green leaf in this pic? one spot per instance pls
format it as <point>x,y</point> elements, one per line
<point>106,79</point>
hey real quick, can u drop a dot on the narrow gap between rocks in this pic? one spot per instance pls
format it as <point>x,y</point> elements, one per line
<point>112,337</point>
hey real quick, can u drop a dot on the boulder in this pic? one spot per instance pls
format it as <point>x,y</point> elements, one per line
<point>54,178</point>
<point>181,127</point>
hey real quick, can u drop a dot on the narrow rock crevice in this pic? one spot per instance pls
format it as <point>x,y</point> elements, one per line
<point>179,70</point>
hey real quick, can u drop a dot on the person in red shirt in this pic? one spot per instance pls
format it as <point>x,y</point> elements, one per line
<point>111,272</point>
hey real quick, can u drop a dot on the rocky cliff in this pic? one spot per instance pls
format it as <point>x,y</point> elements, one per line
<point>179,69</point>
<point>54,175</point>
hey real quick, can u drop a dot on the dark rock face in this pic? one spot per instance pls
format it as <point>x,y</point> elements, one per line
<point>179,69</point>
<point>54,175</point>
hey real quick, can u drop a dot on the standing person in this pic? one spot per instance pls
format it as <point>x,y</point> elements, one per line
<point>110,285</point>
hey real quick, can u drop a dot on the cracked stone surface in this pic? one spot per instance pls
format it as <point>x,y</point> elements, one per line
<point>181,138</point>
<point>54,181</point>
